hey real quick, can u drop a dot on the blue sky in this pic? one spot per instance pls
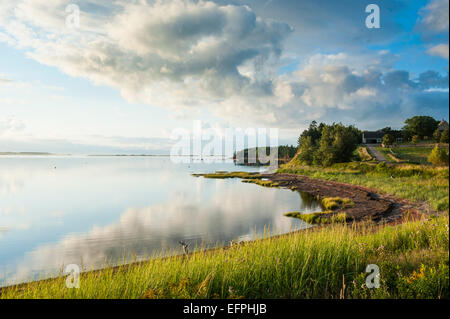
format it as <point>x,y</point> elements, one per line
<point>132,72</point>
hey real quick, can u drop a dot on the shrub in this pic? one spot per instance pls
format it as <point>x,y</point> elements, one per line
<point>438,157</point>
<point>444,136</point>
<point>388,139</point>
<point>415,139</point>
<point>437,135</point>
<point>381,166</point>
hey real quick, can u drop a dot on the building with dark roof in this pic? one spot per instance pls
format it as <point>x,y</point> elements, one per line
<point>373,137</point>
<point>369,137</point>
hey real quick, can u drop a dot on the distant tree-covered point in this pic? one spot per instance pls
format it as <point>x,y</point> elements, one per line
<point>264,155</point>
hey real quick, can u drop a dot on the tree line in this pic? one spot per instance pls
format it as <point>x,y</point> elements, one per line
<point>416,129</point>
<point>323,144</point>
<point>285,154</point>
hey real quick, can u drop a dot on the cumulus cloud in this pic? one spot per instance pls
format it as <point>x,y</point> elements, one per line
<point>349,88</point>
<point>190,55</point>
<point>434,25</point>
<point>440,50</point>
<point>435,16</point>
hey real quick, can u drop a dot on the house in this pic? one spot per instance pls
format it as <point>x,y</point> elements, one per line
<point>373,137</point>
<point>443,125</point>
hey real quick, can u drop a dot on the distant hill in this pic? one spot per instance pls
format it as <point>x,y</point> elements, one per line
<point>26,153</point>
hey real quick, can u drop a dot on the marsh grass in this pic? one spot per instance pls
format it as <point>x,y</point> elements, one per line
<point>413,182</point>
<point>333,203</point>
<point>323,262</point>
<point>327,217</point>
<point>226,175</point>
<point>264,183</point>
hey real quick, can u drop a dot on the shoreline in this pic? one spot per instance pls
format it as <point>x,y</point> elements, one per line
<point>369,206</point>
<point>209,251</point>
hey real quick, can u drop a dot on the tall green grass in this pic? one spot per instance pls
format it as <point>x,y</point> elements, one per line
<point>326,262</point>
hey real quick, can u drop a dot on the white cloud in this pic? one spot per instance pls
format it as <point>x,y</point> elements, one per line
<point>435,16</point>
<point>434,24</point>
<point>440,50</point>
<point>198,55</point>
<point>194,50</point>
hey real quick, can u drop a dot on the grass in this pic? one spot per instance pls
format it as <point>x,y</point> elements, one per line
<point>329,204</point>
<point>389,154</point>
<point>412,155</point>
<point>418,155</point>
<point>264,183</point>
<point>225,175</point>
<point>333,203</point>
<point>327,217</point>
<point>325,262</point>
<point>417,183</point>
<point>251,178</point>
<point>364,154</point>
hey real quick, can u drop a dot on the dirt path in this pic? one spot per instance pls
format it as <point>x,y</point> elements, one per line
<point>377,154</point>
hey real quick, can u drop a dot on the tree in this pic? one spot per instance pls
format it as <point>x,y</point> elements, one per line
<point>386,129</point>
<point>325,153</point>
<point>328,144</point>
<point>388,139</point>
<point>444,136</point>
<point>437,135</point>
<point>421,126</point>
<point>286,152</point>
<point>307,150</point>
<point>438,157</point>
<point>314,131</point>
<point>415,139</point>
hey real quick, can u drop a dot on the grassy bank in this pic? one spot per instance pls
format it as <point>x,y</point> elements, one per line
<point>411,155</point>
<point>413,182</point>
<point>325,262</point>
<point>363,153</point>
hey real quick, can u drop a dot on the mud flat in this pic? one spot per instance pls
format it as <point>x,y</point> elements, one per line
<point>368,204</point>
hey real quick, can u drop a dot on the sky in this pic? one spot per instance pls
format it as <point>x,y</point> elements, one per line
<point>122,76</point>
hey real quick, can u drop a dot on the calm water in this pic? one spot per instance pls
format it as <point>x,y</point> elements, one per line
<point>56,211</point>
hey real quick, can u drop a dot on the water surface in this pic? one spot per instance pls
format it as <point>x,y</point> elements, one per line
<point>85,210</point>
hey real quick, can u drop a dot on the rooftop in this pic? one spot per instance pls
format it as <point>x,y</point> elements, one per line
<point>377,134</point>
